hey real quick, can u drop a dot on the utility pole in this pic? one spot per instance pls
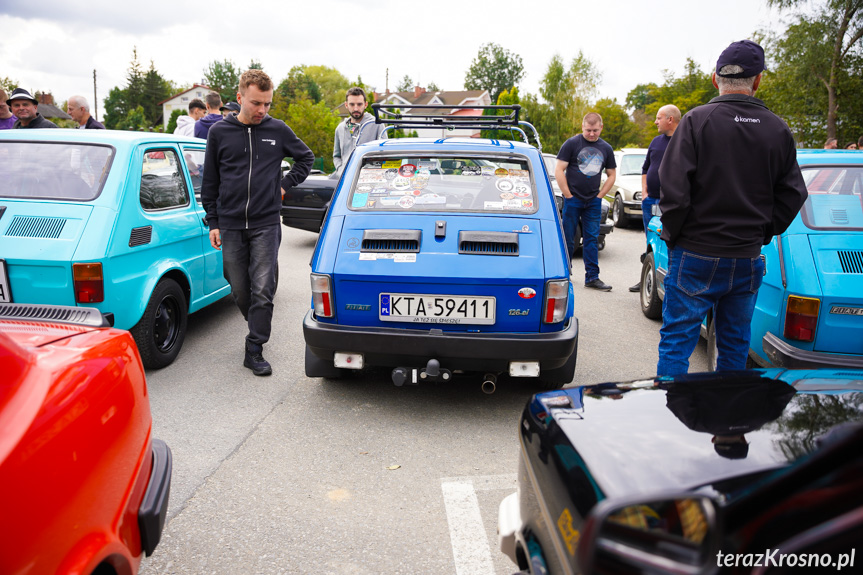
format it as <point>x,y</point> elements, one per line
<point>95,101</point>
<point>388,81</point>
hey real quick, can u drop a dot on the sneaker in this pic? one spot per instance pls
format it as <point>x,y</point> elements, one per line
<point>256,362</point>
<point>636,287</point>
<point>598,284</point>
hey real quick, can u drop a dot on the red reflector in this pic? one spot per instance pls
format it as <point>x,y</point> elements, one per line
<point>800,327</point>
<point>325,298</point>
<point>549,311</point>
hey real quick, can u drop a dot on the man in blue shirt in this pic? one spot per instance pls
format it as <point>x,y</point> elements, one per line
<point>666,122</point>
<point>580,162</point>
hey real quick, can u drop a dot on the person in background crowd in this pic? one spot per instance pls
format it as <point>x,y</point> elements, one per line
<point>7,120</point>
<point>242,197</point>
<point>186,124</point>
<point>730,182</point>
<point>79,109</point>
<point>26,109</point>
<point>580,162</point>
<point>860,143</point>
<point>851,146</point>
<point>831,144</point>
<point>345,140</point>
<point>229,108</point>
<point>667,118</point>
<point>202,126</point>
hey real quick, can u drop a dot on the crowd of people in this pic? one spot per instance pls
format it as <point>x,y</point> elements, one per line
<point>700,170</point>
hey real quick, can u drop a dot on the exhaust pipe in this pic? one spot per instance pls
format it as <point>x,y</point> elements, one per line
<point>489,383</point>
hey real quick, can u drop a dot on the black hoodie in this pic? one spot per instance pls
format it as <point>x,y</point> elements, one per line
<point>242,171</point>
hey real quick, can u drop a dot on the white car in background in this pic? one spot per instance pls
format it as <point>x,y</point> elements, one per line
<point>625,194</point>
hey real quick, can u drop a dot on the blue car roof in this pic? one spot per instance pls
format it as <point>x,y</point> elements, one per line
<point>111,137</point>
<point>829,157</point>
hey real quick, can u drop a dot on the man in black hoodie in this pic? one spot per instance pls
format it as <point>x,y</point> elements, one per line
<point>730,182</point>
<point>241,193</point>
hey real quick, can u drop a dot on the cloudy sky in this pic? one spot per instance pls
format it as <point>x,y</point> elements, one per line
<point>55,45</point>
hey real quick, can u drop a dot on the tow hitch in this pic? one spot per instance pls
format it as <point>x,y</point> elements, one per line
<point>412,376</point>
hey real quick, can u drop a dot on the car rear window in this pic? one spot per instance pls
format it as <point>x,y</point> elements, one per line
<point>444,184</point>
<point>53,170</point>
<point>835,199</point>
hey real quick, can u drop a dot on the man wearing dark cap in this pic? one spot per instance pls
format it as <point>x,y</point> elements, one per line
<point>229,108</point>
<point>24,107</point>
<point>730,182</point>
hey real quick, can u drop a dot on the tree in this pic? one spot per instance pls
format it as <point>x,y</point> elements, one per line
<point>134,120</point>
<point>8,84</point>
<point>432,87</point>
<point>494,69</point>
<point>333,84</point>
<point>405,85</point>
<point>255,65</point>
<point>155,89</point>
<point>315,124</point>
<point>172,123</point>
<point>298,85</point>
<point>825,44</point>
<point>223,77</point>
<point>134,83</point>
<point>506,98</point>
<point>114,108</point>
<point>618,129</point>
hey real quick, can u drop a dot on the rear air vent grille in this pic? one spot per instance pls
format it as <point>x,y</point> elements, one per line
<point>839,217</point>
<point>852,262</point>
<point>488,243</point>
<point>140,236</point>
<point>33,227</point>
<point>391,241</point>
<point>62,314</point>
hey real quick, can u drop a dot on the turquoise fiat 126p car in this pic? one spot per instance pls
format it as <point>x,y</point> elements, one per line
<point>443,255</point>
<point>110,220</point>
<point>809,311</point>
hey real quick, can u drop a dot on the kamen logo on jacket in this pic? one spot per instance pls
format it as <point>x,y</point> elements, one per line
<point>747,120</point>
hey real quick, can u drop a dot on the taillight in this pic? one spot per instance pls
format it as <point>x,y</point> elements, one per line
<point>801,317</point>
<point>322,296</point>
<point>556,300</point>
<point>87,282</point>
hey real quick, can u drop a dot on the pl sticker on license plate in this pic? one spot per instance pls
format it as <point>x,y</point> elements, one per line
<point>423,308</point>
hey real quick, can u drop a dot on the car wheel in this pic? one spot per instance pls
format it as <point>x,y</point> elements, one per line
<point>712,351</point>
<point>618,216</point>
<point>651,305</point>
<point>557,378</point>
<point>317,367</point>
<point>600,242</point>
<point>160,332</point>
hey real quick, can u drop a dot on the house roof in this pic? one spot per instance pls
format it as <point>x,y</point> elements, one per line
<point>194,86</point>
<point>52,111</point>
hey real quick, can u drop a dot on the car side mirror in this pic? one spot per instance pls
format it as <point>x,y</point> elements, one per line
<point>655,211</point>
<point>676,534</point>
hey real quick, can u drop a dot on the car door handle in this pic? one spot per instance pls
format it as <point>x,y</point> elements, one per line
<point>204,220</point>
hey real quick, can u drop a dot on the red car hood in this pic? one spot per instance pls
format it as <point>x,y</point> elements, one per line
<point>22,388</point>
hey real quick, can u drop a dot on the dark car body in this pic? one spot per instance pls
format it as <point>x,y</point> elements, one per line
<point>85,487</point>
<point>304,206</point>
<point>743,439</point>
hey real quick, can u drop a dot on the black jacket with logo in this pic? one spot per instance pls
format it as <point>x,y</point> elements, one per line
<point>730,179</point>
<point>38,122</point>
<point>242,179</point>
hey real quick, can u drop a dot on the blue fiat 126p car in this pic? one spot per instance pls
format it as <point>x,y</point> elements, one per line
<point>809,311</point>
<point>442,256</point>
<point>110,220</point>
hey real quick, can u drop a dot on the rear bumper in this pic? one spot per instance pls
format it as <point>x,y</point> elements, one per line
<point>398,347</point>
<point>154,506</point>
<point>782,354</point>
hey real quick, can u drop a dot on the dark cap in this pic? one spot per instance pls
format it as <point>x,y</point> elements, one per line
<point>21,94</point>
<point>231,107</point>
<point>746,54</point>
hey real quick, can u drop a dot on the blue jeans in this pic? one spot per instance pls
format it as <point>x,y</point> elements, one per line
<point>250,260</point>
<point>695,284</point>
<point>646,204</point>
<point>588,212</point>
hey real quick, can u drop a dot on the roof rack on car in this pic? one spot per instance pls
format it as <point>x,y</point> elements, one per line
<point>392,116</point>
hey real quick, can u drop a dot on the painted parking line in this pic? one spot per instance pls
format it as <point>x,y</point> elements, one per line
<point>470,547</point>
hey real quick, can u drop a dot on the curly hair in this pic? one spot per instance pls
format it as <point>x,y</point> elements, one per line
<point>255,78</point>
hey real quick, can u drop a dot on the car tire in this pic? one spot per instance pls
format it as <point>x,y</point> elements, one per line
<point>161,331</point>
<point>558,377</point>
<point>651,305</point>
<point>600,242</point>
<point>712,351</point>
<point>618,216</point>
<point>317,367</point>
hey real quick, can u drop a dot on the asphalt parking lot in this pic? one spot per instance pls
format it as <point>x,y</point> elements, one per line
<point>288,474</point>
